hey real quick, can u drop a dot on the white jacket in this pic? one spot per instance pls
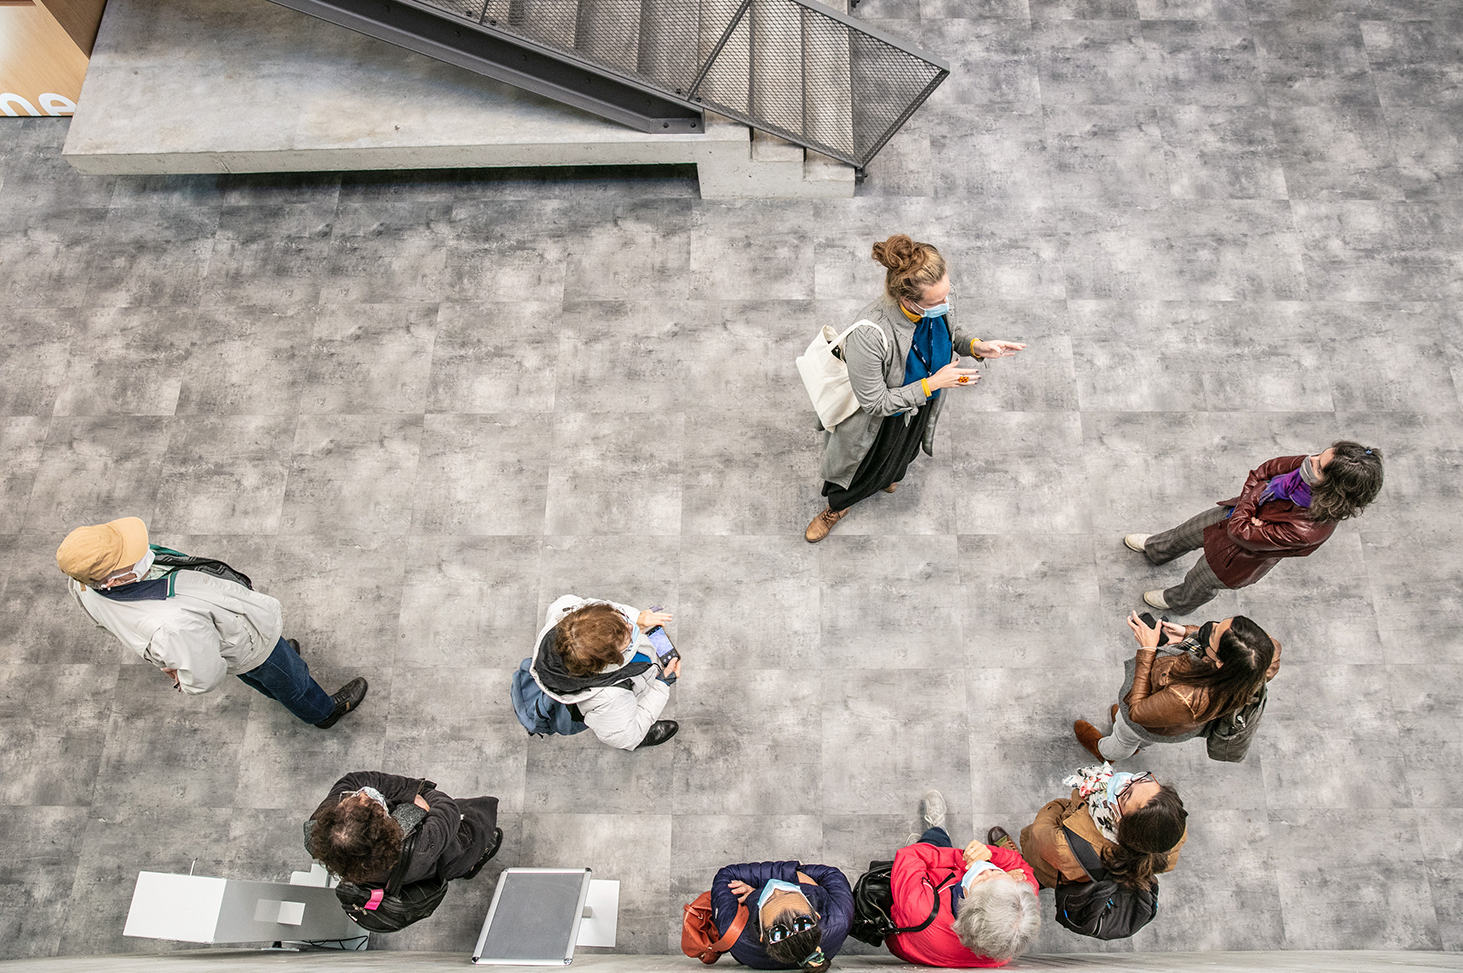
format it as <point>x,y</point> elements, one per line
<point>619,717</point>
<point>207,628</point>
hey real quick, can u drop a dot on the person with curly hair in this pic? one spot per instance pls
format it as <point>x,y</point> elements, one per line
<point>1289,507</point>
<point>898,369</point>
<point>356,834</point>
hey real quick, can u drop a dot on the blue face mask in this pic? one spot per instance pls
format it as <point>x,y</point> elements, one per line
<point>975,871</point>
<point>938,311</point>
<point>776,885</point>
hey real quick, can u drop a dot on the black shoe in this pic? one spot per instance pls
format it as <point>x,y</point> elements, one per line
<point>493,847</point>
<point>997,836</point>
<point>293,644</point>
<point>347,698</point>
<point>660,731</point>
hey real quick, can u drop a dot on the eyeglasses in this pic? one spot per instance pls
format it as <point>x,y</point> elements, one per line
<point>783,928</point>
<point>1135,779</point>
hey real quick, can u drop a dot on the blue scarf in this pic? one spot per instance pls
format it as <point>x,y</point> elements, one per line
<point>930,351</point>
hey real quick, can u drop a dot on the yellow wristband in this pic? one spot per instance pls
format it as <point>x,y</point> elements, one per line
<point>973,343</point>
<point>924,383</point>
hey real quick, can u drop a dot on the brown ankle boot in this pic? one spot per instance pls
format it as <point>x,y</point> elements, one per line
<point>822,524</point>
<point>891,488</point>
<point>1088,735</point>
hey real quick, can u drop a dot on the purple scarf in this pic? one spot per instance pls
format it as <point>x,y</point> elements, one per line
<point>1293,486</point>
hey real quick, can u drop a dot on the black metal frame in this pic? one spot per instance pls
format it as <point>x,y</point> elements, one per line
<point>482,46</point>
<point>505,57</point>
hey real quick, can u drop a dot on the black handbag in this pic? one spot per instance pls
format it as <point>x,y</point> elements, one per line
<point>873,905</point>
<point>1229,737</point>
<point>1102,908</point>
<point>393,906</point>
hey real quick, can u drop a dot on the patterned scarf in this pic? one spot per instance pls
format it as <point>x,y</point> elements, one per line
<point>1099,787</point>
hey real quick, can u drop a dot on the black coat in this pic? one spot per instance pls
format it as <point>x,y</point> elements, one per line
<point>451,839</point>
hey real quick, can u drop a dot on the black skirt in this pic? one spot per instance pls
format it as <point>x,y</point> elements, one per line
<point>895,447</point>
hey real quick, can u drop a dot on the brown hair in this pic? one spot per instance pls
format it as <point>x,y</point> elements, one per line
<point>1349,482</point>
<point>912,267</point>
<point>592,638</point>
<point>356,840</point>
<point>1145,837</point>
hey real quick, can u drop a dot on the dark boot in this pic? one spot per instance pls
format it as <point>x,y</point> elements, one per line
<point>293,644</point>
<point>492,850</point>
<point>660,731</point>
<point>347,698</point>
<point>1000,838</point>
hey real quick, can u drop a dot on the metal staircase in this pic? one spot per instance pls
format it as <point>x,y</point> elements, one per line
<point>794,68</point>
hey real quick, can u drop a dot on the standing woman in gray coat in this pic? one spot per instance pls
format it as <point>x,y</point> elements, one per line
<point>898,377</point>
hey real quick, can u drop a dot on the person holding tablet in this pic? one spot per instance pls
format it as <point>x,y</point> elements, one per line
<point>595,657</point>
<point>797,915</point>
<point>898,369</point>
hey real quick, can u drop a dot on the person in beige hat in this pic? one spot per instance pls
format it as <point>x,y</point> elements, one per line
<point>196,619</point>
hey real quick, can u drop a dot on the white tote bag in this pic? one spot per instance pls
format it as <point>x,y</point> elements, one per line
<point>825,375</point>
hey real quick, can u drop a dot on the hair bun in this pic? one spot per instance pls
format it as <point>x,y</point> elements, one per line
<point>899,253</point>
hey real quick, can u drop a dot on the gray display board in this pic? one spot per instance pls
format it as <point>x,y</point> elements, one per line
<point>534,919</point>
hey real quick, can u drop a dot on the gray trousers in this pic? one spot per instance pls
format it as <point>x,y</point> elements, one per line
<point>1199,585</point>
<point>1121,742</point>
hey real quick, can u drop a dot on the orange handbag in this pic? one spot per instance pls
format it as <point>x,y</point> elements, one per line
<point>698,930</point>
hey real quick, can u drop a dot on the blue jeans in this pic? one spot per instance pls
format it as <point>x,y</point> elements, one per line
<point>938,837</point>
<point>285,677</point>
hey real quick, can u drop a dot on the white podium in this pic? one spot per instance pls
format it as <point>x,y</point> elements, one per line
<point>199,909</point>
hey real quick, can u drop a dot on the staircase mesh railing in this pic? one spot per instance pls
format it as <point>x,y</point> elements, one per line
<point>793,68</point>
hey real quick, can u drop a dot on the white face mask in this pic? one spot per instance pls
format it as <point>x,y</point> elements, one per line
<point>376,796</point>
<point>139,569</point>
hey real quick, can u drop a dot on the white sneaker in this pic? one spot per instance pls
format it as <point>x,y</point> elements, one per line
<point>1136,542</point>
<point>1154,599</point>
<point>932,809</point>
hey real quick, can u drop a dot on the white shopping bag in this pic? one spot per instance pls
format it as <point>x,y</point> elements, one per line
<point>825,375</point>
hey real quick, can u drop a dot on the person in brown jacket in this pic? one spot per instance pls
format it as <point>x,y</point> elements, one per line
<point>1173,691</point>
<point>1289,506</point>
<point>1134,823</point>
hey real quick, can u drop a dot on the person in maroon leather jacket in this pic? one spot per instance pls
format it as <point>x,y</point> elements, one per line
<point>1289,506</point>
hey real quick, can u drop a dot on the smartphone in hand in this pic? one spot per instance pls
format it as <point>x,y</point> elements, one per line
<point>661,642</point>
<point>1147,619</point>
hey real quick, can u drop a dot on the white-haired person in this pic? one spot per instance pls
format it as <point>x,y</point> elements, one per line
<point>982,897</point>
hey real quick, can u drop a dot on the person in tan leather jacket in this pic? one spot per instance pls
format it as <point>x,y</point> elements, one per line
<point>1146,818</point>
<point>1173,692</point>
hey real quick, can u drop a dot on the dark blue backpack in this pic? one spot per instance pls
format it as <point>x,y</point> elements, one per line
<point>539,713</point>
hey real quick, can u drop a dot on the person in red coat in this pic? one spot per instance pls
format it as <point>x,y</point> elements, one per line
<point>983,898</point>
<point>1289,506</point>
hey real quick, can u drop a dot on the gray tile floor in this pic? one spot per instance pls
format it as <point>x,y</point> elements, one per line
<point>419,407</point>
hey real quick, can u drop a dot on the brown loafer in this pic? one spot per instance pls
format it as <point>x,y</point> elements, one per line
<point>1088,735</point>
<point>822,524</point>
<point>891,488</point>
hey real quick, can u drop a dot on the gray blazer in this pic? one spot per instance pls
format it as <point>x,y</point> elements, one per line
<point>876,372</point>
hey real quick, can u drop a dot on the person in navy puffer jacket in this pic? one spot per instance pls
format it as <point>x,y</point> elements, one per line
<point>797,915</point>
